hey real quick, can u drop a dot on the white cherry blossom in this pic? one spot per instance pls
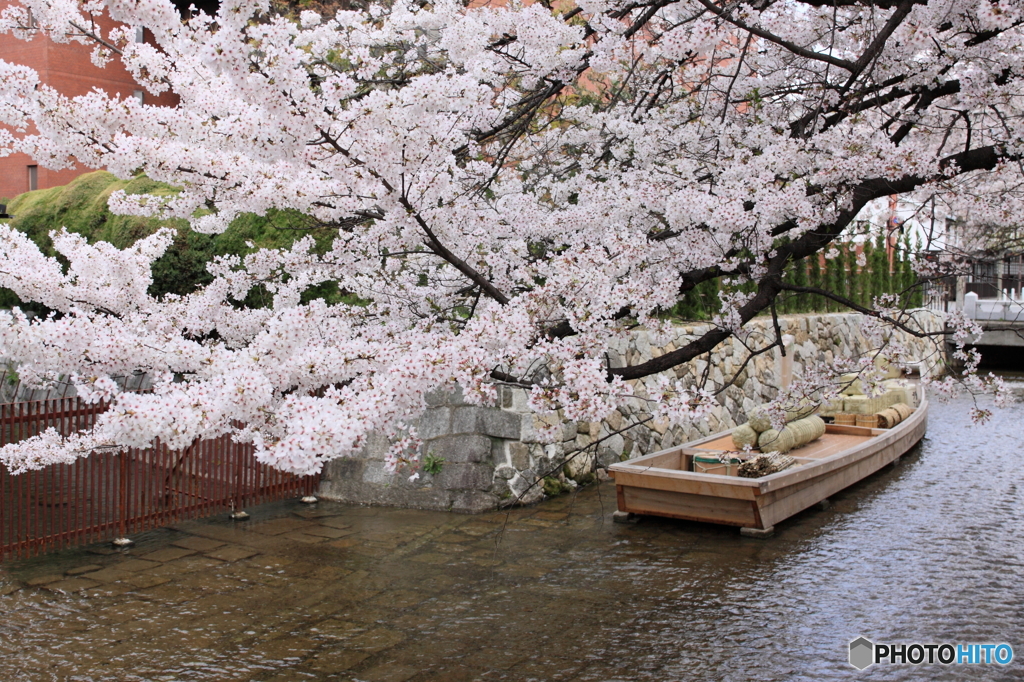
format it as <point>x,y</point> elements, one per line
<point>513,190</point>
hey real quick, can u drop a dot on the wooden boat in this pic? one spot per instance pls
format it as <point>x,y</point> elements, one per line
<point>664,484</point>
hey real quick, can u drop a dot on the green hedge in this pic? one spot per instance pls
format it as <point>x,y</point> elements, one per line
<point>841,275</point>
<point>881,273</point>
<point>81,207</point>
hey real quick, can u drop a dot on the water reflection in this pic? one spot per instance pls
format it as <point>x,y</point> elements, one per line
<point>925,551</point>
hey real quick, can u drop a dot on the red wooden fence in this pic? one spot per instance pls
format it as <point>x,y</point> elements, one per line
<point>108,495</point>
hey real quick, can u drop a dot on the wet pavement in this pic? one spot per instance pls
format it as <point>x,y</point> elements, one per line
<point>928,551</point>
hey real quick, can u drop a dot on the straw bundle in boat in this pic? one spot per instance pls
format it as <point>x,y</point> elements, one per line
<point>845,419</point>
<point>776,441</point>
<point>830,407</point>
<point>793,435</point>
<point>761,422</point>
<point>904,409</point>
<point>862,404</point>
<point>851,384</point>
<point>902,391</point>
<point>806,430</point>
<point>892,371</point>
<point>894,415</point>
<point>764,465</point>
<point>744,435</point>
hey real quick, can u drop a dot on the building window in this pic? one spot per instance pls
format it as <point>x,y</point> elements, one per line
<point>139,95</point>
<point>140,34</point>
<point>33,178</point>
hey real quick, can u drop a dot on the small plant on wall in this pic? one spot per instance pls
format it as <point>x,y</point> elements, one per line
<point>432,464</point>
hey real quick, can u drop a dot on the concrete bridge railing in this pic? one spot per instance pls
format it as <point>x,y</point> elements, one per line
<point>1007,308</point>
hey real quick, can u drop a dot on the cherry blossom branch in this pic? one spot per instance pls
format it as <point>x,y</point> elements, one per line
<point>767,35</point>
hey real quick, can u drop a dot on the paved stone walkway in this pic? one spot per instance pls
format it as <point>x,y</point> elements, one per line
<point>327,592</point>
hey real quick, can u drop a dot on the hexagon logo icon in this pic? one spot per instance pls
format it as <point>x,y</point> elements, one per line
<point>862,653</point>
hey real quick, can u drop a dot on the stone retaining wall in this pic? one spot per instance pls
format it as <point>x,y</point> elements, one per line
<point>493,456</point>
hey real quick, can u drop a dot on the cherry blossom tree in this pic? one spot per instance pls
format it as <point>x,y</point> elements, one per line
<point>513,188</point>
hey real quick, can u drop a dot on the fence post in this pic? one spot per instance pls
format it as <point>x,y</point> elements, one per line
<point>122,539</point>
<point>971,305</point>
<point>3,502</point>
<point>237,513</point>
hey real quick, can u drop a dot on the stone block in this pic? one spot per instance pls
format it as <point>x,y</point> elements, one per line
<point>486,421</point>
<point>376,447</point>
<point>579,463</point>
<point>520,455</point>
<point>660,425</point>
<point>525,488</point>
<point>520,400</point>
<point>439,396</point>
<point>456,396</point>
<point>464,477</point>
<point>504,473</point>
<point>344,468</point>
<point>460,449</point>
<point>498,455</point>
<point>610,450</point>
<point>614,420</point>
<point>643,343</point>
<point>375,472</point>
<point>531,425</point>
<point>434,423</point>
<point>554,452</point>
<point>501,490</point>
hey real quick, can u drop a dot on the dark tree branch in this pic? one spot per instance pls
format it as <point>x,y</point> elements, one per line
<point>769,287</point>
<point>782,42</point>
<point>433,243</point>
<point>853,305</point>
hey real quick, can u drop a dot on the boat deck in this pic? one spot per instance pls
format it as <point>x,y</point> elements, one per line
<point>835,440</point>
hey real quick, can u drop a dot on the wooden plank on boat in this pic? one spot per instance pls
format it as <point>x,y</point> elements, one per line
<point>691,507</point>
<point>864,431</point>
<point>828,445</point>
<point>666,459</point>
<point>721,443</point>
<point>687,482</point>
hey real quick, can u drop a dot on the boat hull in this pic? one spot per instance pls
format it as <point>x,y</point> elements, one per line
<point>659,484</point>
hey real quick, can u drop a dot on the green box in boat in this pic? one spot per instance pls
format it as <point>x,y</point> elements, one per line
<point>712,463</point>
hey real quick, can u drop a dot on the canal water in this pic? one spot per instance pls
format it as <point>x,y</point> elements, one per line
<point>927,551</point>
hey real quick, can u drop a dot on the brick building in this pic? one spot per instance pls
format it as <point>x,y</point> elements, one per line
<point>67,68</point>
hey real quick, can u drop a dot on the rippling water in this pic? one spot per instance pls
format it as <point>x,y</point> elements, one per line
<point>926,551</point>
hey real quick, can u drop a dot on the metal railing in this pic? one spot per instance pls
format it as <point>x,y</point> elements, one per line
<point>108,494</point>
